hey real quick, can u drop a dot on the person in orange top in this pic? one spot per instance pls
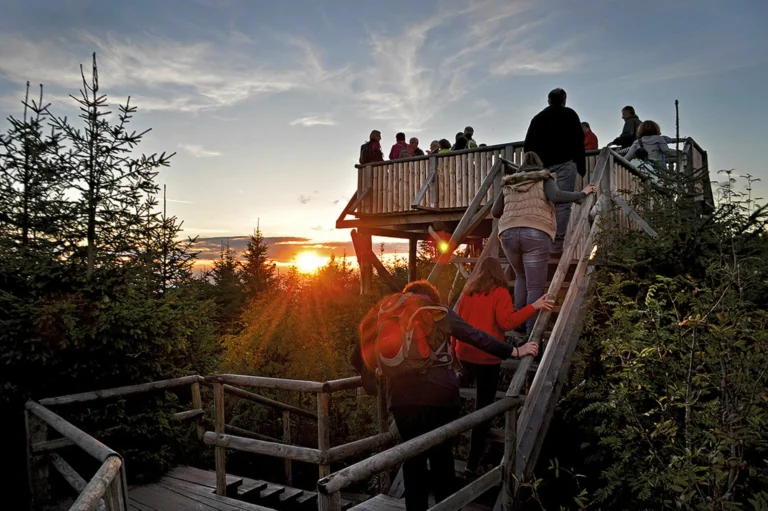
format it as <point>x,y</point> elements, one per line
<point>487,305</point>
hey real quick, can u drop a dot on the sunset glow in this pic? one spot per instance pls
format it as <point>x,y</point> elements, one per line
<point>310,262</point>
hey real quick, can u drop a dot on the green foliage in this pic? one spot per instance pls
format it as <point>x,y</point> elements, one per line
<point>96,289</point>
<point>669,395</point>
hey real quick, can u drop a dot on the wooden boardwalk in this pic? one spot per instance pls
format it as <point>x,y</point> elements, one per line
<point>187,488</point>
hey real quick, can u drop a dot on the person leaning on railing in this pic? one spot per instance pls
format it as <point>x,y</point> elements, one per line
<point>650,151</point>
<point>426,398</point>
<point>527,226</point>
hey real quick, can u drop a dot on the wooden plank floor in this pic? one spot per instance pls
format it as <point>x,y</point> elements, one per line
<point>187,488</point>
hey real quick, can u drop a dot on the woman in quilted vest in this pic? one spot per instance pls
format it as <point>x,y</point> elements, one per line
<point>527,226</point>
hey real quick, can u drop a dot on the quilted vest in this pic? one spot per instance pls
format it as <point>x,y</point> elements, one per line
<point>526,204</point>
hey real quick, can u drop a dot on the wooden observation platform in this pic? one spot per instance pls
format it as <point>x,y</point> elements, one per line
<point>409,199</point>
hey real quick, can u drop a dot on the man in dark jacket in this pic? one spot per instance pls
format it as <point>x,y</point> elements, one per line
<point>555,134</point>
<point>429,398</point>
<point>629,131</point>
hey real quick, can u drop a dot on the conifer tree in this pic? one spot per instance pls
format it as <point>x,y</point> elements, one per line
<point>227,289</point>
<point>110,181</point>
<point>257,270</point>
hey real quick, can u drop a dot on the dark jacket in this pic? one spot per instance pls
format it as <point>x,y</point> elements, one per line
<point>555,134</point>
<point>370,153</point>
<point>437,386</point>
<point>628,132</point>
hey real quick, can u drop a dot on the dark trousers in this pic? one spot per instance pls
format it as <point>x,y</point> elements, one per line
<point>413,421</point>
<point>486,376</point>
<point>566,181</point>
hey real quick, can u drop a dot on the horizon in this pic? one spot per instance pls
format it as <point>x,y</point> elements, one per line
<point>267,109</point>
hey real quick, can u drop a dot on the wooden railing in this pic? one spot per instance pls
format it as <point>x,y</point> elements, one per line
<point>329,488</point>
<point>107,489</point>
<point>451,180</point>
<point>225,437</point>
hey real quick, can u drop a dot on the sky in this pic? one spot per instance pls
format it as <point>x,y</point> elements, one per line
<point>266,103</point>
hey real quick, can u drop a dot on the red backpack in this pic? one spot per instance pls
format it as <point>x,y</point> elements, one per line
<point>406,336</point>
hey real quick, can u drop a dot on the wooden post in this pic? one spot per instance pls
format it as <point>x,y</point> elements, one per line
<point>412,258</point>
<point>381,401</point>
<point>509,484</point>
<point>433,186</point>
<point>330,502</point>
<point>221,453</point>
<point>197,404</point>
<point>37,467</point>
<point>366,267</point>
<point>287,440</point>
<point>323,429</point>
<point>367,205</point>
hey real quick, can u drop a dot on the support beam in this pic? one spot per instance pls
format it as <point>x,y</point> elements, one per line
<point>323,430</point>
<point>468,219</point>
<point>632,214</point>
<point>220,427</point>
<point>367,260</point>
<point>412,259</point>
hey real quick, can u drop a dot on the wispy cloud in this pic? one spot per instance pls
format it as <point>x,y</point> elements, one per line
<point>417,68</point>
<point>162,73</point>
<point>313,121</point>
<point>179,201</point>
<point>305,199</point>
<point>199,151</point>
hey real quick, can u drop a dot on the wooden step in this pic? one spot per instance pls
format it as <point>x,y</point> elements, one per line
<point>513,363</point>
<point>198,497</point>
<point>290,494</point>
<point>204,478</point>
<point>250,489</point>
<point>307,498</point>
<point>271,491</point>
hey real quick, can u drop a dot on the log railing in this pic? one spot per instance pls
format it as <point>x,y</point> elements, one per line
<point>451,180</point>
<point>225,436</point>
<point>106,490</point>
<point>329,487</point>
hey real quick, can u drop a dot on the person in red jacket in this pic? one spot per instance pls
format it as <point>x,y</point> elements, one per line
<point>486,305</point>
<point>590,139</point>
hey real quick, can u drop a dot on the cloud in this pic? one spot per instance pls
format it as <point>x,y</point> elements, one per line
<point>163,73</point>
<point>318,228</point>
<point>179,201</point>
<point>417,70</point>
<point>199,151</point>
<point>304,199</point>
<point>313,121</point>
<point>707,63</point>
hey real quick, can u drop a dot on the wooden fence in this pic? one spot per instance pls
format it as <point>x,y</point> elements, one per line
<point>451,180</point>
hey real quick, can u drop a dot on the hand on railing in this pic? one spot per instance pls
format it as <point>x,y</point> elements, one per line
<point>546,302</point>
<point>530,348</point>
<point>590,188</point>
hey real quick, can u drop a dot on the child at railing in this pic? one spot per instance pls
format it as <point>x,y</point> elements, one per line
<point>487,306</point>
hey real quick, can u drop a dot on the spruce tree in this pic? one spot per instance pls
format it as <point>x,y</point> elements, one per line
<point>257,270</point>
<point>227,289</point>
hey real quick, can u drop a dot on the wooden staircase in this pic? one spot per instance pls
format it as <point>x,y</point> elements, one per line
<point>193,488</point>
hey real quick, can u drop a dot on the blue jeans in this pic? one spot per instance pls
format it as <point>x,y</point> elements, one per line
<point>566,181</point>
<point>527,250</point>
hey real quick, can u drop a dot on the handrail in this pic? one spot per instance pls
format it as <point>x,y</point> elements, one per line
<point>97,487</point>
<point>85,397</point>
<point>387,459</point>
<point>488,148</point>
<point>79,437</point>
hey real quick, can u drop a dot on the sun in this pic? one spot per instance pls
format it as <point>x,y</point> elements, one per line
<point>310,262</point>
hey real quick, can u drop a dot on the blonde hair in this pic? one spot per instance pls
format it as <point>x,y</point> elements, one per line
<point>648,128</point>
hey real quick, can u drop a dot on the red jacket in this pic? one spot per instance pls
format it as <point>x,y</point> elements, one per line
<point>394,153</point>
<point>590,141</point>
<point>492,313</point>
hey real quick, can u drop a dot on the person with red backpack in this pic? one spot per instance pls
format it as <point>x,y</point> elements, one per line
<point>406,336</point>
